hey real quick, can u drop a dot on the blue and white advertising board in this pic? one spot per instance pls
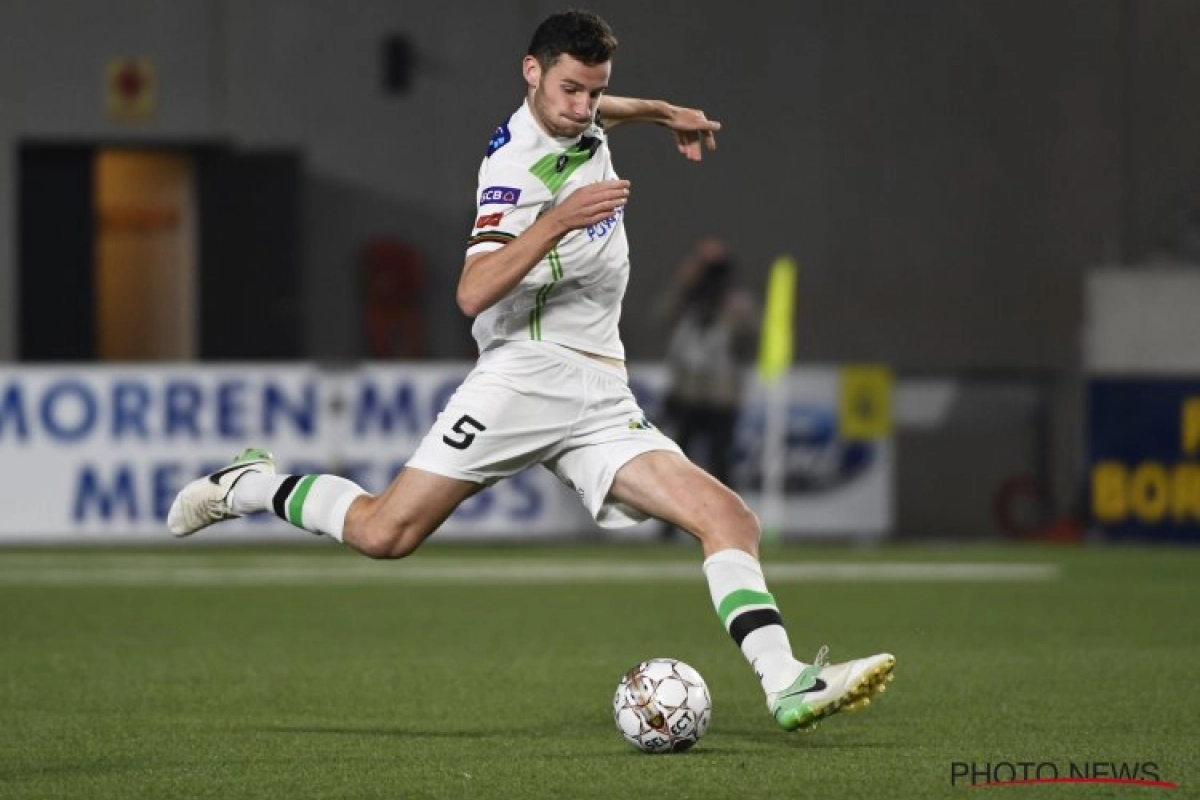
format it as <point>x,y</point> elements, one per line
<point>96,453</point>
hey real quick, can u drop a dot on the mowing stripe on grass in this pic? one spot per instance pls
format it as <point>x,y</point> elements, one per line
<point>184,571</point>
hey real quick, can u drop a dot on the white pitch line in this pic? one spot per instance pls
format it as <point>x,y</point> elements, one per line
<point>300,571</point>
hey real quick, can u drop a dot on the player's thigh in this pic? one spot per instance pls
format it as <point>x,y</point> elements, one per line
<point>668,486</point>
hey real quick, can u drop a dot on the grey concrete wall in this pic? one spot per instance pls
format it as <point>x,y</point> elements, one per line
<point>943,170</point>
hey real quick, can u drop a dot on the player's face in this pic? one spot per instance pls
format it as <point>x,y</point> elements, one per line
<point>564,97</point>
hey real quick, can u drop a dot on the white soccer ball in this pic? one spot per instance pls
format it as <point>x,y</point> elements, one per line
<point>662,706</point>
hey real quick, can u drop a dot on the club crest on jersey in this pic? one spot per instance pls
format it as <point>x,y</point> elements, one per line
<point>500,137</point>
<point>499,195</point>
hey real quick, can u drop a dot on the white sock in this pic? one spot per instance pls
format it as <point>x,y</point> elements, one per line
<point>316,503</point>
<point>748,611</point>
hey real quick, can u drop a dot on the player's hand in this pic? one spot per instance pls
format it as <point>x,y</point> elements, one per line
<point>694,132</point>
<point>593,203</point>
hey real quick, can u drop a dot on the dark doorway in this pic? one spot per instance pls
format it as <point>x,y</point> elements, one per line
<point>158,253</point>
<point>56,223</point>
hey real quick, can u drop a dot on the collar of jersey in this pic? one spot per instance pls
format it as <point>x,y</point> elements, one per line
<point>525,114</point>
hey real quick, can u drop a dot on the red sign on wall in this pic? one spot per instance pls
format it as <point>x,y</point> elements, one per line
<point>130,89</point>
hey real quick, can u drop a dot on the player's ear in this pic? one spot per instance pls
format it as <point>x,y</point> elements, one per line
<point>532,71</point>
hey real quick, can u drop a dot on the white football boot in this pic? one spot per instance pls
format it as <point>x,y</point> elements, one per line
<point>206,500</point>
<point>823,689</point>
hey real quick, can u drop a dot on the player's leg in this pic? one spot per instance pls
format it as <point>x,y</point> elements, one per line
<point>666,485</point>
<point>512,408</point>
<point>390,525</point>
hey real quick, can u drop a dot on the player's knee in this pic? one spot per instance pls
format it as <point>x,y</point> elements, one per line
<point>746,525</point>
<point>382,538</point>
<point>738,524</point>
<point>731,522</point>
<point>387,545</point>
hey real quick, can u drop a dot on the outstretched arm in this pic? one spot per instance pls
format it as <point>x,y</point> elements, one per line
<point>693,131</point>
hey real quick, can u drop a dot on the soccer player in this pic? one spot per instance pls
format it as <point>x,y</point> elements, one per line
<point>544,277</point>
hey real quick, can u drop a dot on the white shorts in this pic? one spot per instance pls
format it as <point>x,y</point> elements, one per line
<point>529,403</point>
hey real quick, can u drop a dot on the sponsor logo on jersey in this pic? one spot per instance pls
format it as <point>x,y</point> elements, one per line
<point>499,195</point>
<point>602,228</point>
<point>500,137</point>
<point>489,220</point>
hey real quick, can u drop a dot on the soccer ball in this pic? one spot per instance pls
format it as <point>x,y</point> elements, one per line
<point>662,706</point>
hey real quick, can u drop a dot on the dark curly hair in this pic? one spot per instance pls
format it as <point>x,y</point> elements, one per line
<point>580,34</point>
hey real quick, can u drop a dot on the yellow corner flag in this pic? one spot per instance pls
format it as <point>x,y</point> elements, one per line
<point>775,348</point>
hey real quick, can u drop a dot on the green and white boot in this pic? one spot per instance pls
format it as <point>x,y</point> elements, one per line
<point>206,500</point>
<point>822,690</point>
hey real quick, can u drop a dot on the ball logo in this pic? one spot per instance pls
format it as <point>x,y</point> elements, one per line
<point>499,195</point>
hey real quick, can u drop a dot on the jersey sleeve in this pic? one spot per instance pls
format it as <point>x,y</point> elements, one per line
<point>507,201</point>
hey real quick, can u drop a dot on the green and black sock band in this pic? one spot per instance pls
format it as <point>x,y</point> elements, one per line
<point>288,502</point>
<point>745,611</point>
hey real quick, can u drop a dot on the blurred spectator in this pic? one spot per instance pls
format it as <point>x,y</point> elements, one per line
<point>711,344</point>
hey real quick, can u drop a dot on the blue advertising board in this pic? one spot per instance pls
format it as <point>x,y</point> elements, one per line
<point>1143,468</point>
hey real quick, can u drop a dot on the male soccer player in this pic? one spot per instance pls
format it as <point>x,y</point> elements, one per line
<point>544,277</point>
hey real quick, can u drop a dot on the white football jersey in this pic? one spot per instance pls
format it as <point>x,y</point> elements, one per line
<point>572,297</point>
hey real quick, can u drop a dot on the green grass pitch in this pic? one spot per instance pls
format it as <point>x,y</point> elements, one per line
<point>487,672</point>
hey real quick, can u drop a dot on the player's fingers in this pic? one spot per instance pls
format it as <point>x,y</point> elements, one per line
<point>610,198</point>
<point>603,212</point>
<point>600,192</point>
<point>683,143</point>
<point>613,195</point>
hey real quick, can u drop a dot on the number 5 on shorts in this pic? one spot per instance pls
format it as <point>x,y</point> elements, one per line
<point>465,421</point>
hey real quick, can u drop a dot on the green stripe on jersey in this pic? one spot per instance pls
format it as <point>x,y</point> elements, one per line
<point>535,316</point>
<point>547,168</point>
<point>295,506</point>
<point>740,599</point>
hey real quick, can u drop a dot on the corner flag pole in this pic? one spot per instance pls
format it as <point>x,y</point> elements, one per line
<point>774,364</point>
